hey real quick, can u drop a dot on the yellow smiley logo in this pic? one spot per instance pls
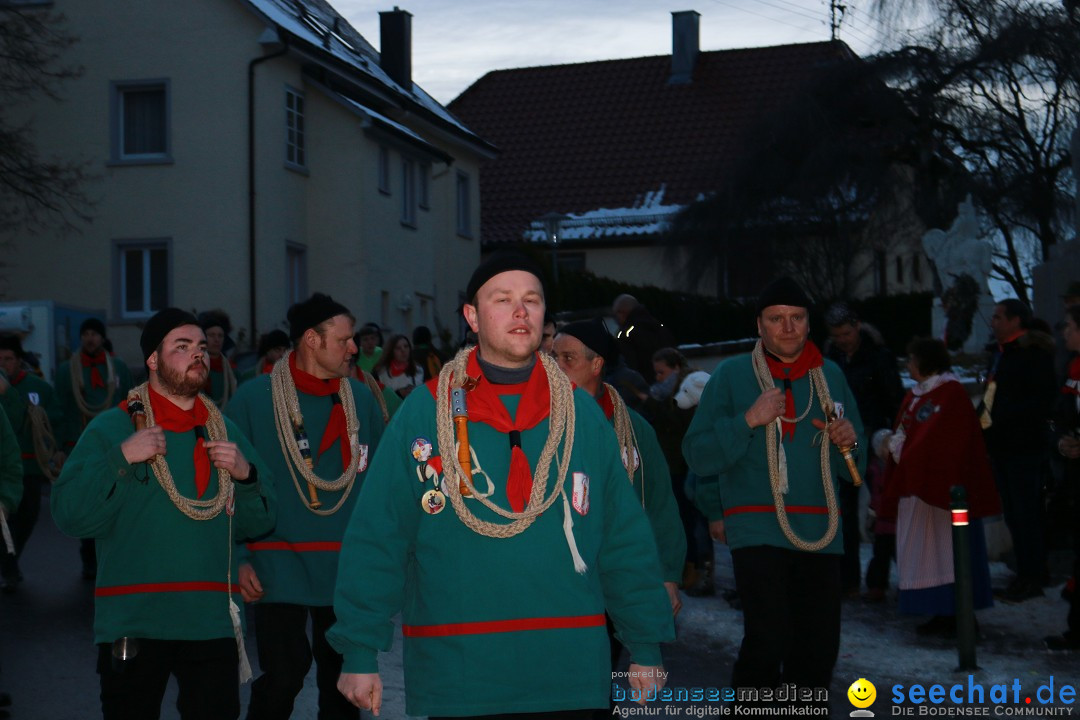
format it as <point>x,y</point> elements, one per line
<point>862,693</point>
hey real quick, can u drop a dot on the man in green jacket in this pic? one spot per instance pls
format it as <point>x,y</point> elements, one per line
<point>11,488</point>
<point>166,524</point>
<point>763,425</point>
<point>502,572</point>
<point>88,384</point>
<point>306,410</point>
<point>33,410</point>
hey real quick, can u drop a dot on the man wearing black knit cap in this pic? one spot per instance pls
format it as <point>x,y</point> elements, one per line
<point>91,382</point>
<point>502,566</point>
<point>757,427</point>
<point>316,428</point>
<point>167,487</point>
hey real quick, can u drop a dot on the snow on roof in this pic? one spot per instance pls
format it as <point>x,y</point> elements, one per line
<point>648,216</point>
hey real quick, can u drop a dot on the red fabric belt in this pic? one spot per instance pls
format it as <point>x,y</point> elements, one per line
<point>193,586</point>
<point>501,626</point>
<point>29,456</point>
<point>804,509</point>
<point>295,547</point>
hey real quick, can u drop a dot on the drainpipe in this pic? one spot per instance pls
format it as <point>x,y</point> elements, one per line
<point>269,38</point>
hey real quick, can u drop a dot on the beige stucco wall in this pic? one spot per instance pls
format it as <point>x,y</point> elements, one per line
<point>356,246</point>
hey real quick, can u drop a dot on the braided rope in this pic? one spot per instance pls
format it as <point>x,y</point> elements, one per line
<point>624,433</point>
<point>215,428</point>
<point>87,410</point>
<point>373,386</point>
<point>45,445</point>
<point>287,416</point>
<point>560,431</point>
<point>817,381</point>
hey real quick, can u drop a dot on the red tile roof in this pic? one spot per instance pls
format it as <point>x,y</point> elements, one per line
<point>574,138</point>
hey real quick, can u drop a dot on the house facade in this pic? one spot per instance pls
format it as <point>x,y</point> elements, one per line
<point>243,154</point>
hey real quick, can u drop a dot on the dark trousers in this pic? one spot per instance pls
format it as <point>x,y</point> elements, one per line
<point>1019,481</point>
<point>206,671</point>
<point>849,519</point>
<point>877,570</point>
<point>699,545</point>
<point>22,523</point>
<point>285,656</point>
<point>791,617</point>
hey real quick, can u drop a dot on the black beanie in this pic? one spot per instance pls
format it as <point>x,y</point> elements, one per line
<point>500,262</point>
<point>782,291</point>
<point>271,340</point>
<point>92,323</point>
<point>160,325</point>
<point>12,343</point>
<point>215,318</point>
<point>311,312</point>
<point>594,336</point>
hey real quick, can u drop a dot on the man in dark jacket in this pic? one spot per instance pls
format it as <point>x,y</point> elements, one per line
<point>640,335</point>
<point>1017,404</point>
<point>870,370</point>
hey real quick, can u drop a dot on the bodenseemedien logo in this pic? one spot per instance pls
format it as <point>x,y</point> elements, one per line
<point>862,694</point>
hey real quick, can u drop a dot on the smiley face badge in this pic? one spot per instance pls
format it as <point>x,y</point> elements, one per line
<point>862,695</point>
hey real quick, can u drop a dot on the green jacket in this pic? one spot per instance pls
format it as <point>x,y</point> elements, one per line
<point>11,469</point>
<point>161,575</point>
<point>297,563</point>
<point>498,625</point>
<point>719,441</point>
<point>74,422</point>
<point>655,495</point>
<point>31,390</point>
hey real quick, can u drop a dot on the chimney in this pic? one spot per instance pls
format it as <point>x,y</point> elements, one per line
<point>395,53</point>
<point>684,46</point>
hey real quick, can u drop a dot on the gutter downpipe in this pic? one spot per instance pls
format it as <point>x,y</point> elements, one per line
<point>283,40</point>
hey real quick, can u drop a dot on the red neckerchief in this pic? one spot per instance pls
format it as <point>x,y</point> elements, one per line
<point>1072,381</point>
<point>267,367</point>
<point>606,404</point>
<point>92,362</point>
<point>809,358</point>
<point>19,377</point>
<point>396,368</point>
<point>336,428</point>
<point>175,419</point>
<point>1012,338</point>
<point>535,405</point>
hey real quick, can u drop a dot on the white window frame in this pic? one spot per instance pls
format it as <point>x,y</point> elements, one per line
<point>296,281</point>
<point>118,90</point>
<point>295,129</point>
<point>121,249</point>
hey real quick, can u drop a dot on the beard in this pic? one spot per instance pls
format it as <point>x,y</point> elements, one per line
<point>183,384</point>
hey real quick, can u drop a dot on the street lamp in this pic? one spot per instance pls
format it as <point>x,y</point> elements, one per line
<point>553,227</point>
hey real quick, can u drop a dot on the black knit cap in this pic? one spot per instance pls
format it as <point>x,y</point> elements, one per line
<point>215,318</point>
<point>271,340</point>
<point>160,325</point>
<point>311,312</point>
<point>12,343</point>
<point>92,323</point>
<point>782,291</point>
<point>500,262</point>
<point>594,336</point>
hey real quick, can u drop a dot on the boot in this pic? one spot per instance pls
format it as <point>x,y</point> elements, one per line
<point>690,576</point>
<point>704,587</point>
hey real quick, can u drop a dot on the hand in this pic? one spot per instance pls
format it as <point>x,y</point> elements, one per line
<point>226,456</point>
<point>250,587</point>
<point>841,432</point>
<point>364,690</point>
<point>768,407</point>
<point>1069,447</point>
<point>717,531</point>
<point>649,679</point>
<point>673,595</point>
<point>144,445</point>
<point>58,460</point>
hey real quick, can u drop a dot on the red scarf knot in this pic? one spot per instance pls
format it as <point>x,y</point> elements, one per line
<point>92,362</point>
<point>173,418</point>
<point>808,359</point>
<point>336,427</point>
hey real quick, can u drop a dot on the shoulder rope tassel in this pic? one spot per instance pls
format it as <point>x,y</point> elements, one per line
<point>560,431</point>
<point>778,482</point>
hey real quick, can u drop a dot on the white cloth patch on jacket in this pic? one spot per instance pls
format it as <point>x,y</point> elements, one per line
<point>581,493</point>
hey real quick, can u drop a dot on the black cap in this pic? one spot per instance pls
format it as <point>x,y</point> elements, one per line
<point>594,336</point>
<point>12,343</point>
<point>782,291</point>
<point>92,323</point>
<point>271,340</point>
<point>311,312</point>
<point>215,318</point>
<point>500,262</point>
<point>160,325</point>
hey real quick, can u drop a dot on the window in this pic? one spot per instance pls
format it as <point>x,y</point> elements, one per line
<point>464,211</point>
<point>296,272</point>
<point>142,278</point>
<point>425,187</point>
<point>139,122</point>
<point>408,192</point>
<point>294,128</point>
<point>384,170</point>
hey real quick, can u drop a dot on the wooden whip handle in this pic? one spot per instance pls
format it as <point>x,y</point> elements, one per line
<point>461,430</point>
<point>313,496</point>
<point>849,458</point>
